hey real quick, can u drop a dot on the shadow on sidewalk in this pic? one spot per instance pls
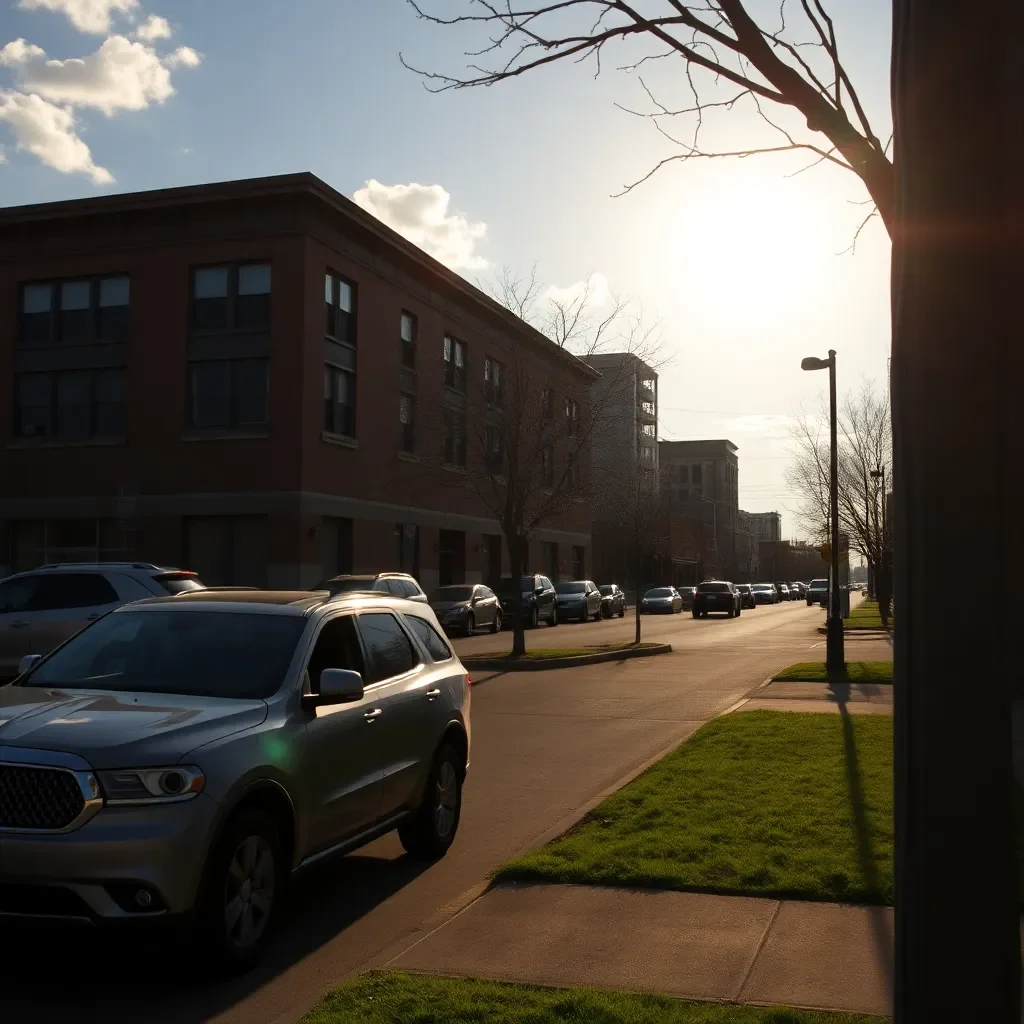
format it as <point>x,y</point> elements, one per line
<point>865,853</point>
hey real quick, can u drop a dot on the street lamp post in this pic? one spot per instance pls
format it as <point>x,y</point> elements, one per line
<point>835,656</point>
<point>879,474</point>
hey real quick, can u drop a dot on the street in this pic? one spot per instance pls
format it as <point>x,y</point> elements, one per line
<point>544,745</point>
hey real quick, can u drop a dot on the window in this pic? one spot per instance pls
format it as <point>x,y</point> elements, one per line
<point>695,473</point>
<point>339,401</point>
<point>71,405</point>
<point>436,646</point>
<point>572,416</point>
<point>684,474</point>
<point>578,561</point>
<point>494,449</point>
<point>337,646</point>
<point>228,550</point>
<point>73,590</point>
<point>547,404</point>
<point>407,332</point>
<point>407,536</point>
<point>492,381</point>
<point>37,542</point>
<point>15,595</point>
<point>454,425</point>
<point>647,453</point>
<point>231,297</point>
<point>339,303</point>
<point>454,363</point>
<point>335,546</point>
<point>388,649</point>
<point>228,394</point>
<point>550,550</point>
<point>647,430</point>
<point>407,420</point>
<point>547,467</point>
<point>572,476</point>
<point>74,312</point>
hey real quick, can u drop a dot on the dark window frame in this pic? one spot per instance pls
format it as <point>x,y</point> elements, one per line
<point>494,449</point>
<point>572,416</point>
<point>54,334</point>
<point>454,374</point>
<point>454,435</point>
<point>332,371</point>
<point>494,371</point>
<point>547,466</point>
<point>231,300</point>
<point>407,440</point>
<point>407,346</point>
<point>53,405</point>
<point>351,319</point>
<point>231,368</point>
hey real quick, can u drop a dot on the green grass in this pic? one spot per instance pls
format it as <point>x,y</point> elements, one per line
<point>864,616</point>
<point>764,803</point>
<point>543,653</point>
<point>856,672</point>
<point>394,998</point>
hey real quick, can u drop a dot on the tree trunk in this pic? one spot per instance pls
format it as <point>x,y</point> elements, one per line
<point>956,269</point>
<point>636,616</point>
<point>517,566</point>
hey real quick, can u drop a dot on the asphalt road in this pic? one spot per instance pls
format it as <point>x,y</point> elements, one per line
<point>544,745</point>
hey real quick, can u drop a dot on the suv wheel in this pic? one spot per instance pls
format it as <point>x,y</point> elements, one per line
<point>534,617</point>
<point>470,624</point>
<point>431,829</point>
<point>244,875</point>
<point>553,621</point>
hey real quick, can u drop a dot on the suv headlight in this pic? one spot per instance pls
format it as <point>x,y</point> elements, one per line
<point>134,786</point>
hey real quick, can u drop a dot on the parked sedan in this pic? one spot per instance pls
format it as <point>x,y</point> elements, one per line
<point>613,601</point>
<point>661,600</point>
<point>765,593</point>
<point>746,595</point>
<point>686,593</point>
<point>716,596</point>
<point>578,599</point>
<point>461,608</point>
<point>784,594</point>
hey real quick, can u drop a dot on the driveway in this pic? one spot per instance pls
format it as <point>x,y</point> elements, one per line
<point>544,745</point>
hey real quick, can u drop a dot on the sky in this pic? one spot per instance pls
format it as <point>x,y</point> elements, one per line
<point>743,264</point>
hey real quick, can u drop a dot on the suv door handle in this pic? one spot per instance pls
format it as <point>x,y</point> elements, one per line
<point>371,715</point>
<point>431,694</point>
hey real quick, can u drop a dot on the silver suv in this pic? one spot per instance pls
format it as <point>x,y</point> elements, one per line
<point>42,608</point>
<point>183,756</point>
<point>401,584</point>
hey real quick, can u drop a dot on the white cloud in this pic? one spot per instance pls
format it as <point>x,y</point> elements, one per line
<point>420,214</point>
<point>594,289</point>
<point>86,15</point>
<point>183,57</point>
<point>153,28</point>
<point>120,75</point>
<point>48,132</point>
<point>761,423</point>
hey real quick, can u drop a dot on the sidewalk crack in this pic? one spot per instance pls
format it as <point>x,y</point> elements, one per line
<point>757,951</point>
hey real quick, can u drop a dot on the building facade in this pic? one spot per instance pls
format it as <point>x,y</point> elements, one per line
<point>259,381</point>
<point>704,478</point>
<point>748,561</point>
<point>765,525</point>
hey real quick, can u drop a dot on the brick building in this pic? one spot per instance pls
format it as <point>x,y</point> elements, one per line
<point>256,379</point>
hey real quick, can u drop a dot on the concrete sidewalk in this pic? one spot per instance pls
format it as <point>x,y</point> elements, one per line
<point>854,698</point>
<point>816,955</point>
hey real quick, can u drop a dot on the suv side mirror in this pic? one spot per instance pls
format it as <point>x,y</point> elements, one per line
<point>27,662</point>
<point>538,590</point>
<point>337,686</point>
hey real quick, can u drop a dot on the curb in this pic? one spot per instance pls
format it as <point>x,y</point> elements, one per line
<point>538,664</point>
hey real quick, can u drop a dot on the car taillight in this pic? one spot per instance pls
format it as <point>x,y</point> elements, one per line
<point>469,681</point>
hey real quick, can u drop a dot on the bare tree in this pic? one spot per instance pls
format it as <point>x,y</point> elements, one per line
<point>865,448</point>
<point>791,68</point>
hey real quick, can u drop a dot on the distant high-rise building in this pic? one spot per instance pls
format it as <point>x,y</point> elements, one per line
<point>766,525</point>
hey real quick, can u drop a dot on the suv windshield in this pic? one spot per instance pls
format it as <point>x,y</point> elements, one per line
<point>570,588</point>
<point>713,588</point>
<point>185,651</point>
<point>451,594</point>
<point>818,585</point>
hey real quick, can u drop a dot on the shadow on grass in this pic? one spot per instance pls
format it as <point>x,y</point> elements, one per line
<point>865,851</point>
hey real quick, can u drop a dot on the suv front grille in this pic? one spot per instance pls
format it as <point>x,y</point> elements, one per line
<point>38,798</point>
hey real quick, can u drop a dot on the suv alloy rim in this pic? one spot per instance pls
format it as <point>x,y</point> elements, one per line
<point>249,892</point>
<point>445,799</point>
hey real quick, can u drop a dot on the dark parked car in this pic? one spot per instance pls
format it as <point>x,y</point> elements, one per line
<point>397,584</point>
<point>746,593</point>
<point>41,608</point>
<point>537,594</point>
<point>817,592</point>
<point>665,600</point>
<point>765,593</point>
<point>784,594</point>
<point>613,601</point>
<point>578,599</point>
<point>686,593</point>
<point>716,596</point>
<point>462,607</point>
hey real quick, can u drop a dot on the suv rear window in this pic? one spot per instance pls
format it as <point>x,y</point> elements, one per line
<point>435,644</point>
<point>179,582</point>
<point>191,652</point>
<point>73,590</point>
<point>390,652</point>
<point>713,588</point>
